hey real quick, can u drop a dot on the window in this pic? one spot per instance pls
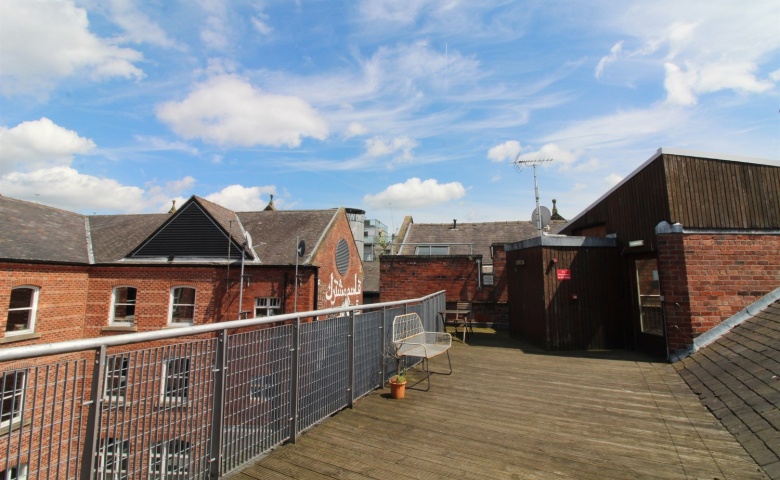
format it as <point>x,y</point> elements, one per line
<point>21,310</point>
<point>123,306</point>
<point>432,250</point>
<point>12,390</point>
<point>116,379</point>
<point>112,459</point>
<point>265,387</point>
<point>177,380</point>
<point>182,305</point>
<point>18,472</point>
<point>170,460</point>
<point>267,306</point>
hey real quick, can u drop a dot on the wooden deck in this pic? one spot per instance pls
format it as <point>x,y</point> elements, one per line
<point>510,411</point>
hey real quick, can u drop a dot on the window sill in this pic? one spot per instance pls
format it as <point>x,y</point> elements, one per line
<point>15,426</point>
<point>20,338</point>
<point>174,404</point>
<point>120,328</point>
<point>179,325</point>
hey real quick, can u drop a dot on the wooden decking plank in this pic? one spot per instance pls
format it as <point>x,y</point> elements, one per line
<point>525,414</point>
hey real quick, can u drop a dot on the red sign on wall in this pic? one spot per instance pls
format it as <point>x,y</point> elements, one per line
<point>564,274</point>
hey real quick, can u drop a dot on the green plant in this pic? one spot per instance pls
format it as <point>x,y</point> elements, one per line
<point>401,377</point>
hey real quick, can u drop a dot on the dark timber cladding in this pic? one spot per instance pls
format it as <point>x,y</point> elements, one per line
<point>694,191</point>
<point>706,193</point>
<point>190,233</point>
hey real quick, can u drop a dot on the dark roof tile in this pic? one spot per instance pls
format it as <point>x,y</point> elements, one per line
<point>31,231</point>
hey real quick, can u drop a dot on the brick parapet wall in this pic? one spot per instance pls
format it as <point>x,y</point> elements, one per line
<point>706,278</point>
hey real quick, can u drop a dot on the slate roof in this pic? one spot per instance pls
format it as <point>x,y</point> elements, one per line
<point>481,235</point>
<point>35,232</point>
<point>737,377</point>
<point>274,233</point>
<point>115,236</point>
<point>370,276</point>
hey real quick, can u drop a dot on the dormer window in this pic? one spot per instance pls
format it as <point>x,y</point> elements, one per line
<point>432,250</point>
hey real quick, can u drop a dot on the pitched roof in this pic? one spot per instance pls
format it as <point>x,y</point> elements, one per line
<point>736,377</point>
<point>35,232</point>
<point>275,233</point>
<point>466,238</point>
<point>115,236</point>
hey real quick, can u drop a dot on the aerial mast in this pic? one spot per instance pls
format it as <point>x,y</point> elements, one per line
<point>519,165</point>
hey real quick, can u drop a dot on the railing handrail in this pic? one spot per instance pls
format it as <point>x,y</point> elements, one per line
<point>71,346</point>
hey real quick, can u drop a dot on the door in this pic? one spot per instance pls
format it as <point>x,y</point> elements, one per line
<point>651,333</point>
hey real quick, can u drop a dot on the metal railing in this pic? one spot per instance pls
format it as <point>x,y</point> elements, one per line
<point>190,402</point>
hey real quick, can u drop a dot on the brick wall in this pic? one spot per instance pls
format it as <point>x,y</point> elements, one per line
<point>335,289</point>
<point>706,278</point>
<point>61,301</point>
<point>412,276</point>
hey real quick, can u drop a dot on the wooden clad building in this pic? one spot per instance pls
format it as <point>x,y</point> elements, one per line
<point>696,239</point>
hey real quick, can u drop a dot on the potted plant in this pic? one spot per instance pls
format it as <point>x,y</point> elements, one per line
<point>398,385</point>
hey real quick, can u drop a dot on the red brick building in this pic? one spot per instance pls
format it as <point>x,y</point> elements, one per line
<point>695,238</point>
<point>65,276</point>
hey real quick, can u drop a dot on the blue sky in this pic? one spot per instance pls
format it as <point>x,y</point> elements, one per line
<point>398,108</point>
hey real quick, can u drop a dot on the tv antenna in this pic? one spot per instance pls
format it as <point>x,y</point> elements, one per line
<point>519,165</point>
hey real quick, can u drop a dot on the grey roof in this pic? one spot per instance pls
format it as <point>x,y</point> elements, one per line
<point>115,236</point>
<point>274,233</point>
<point>370,276</point>
<point>737,377</point>
<point>480,235</point>
<point>35,232</point>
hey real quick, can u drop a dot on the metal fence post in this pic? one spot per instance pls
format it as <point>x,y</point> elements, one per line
<point>351,359</point>
<point>383,352</point>
<point>217,409</point>
<point>294,381</point>
<point>93,420</point>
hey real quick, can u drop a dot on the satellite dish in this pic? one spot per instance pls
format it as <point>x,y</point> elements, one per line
<point>546,215</point>
<point>302,248</point>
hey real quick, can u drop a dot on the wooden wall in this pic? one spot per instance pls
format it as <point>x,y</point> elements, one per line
<point>705,193</point>
<point>587,311</point>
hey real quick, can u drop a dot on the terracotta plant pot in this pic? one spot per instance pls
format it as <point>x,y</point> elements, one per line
<point>397,389</point>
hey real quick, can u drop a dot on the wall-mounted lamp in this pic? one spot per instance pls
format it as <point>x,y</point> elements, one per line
<point>555,260</point>
<point>520,262</point>
<point>636,243</point>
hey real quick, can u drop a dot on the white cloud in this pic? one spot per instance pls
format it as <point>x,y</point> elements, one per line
<point>215,32</point>
<point>44,41</point>
<point>138,27</point>
<point>612,179</point>
<point>560,156</point>
<point>259,22</point>
<point>506,151</point>
<point>242,199</point>
<point>401,147</point>
<point>70,190</point>
<point>701,50</point>
<point>38,143</point>
<point>415,193</point>
<point>228,111</point>
<point>163,145</point>
<point>614,53</point>
<point>355,129</point>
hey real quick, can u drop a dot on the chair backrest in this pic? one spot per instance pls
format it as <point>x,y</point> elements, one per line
<point>463,306</point>
<point>405,326</point>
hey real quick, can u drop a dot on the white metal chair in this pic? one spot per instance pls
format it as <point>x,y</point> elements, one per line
<point>411,340</point>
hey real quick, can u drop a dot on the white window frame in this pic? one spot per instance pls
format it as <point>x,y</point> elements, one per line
<point>13,416</point>
<point>17,472</point>
<point>112,314</point>
<point>119,451</point>
<point>267,306</point>
<point>167,376</point>
<point>32,310</point>
<point>429,249</point>
<point>117,370</point>
<point>174,305</point>
<point>162,454</point>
